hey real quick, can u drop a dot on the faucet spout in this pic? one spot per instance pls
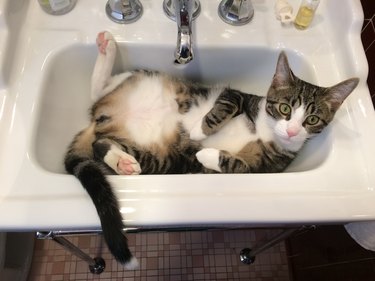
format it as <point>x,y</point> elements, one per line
<point>183,12</point>
<point>184,51</point>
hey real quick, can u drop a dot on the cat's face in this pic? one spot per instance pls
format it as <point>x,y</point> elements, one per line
<point>298,110</point>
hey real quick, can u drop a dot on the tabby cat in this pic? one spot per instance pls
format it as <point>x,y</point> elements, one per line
<point>149,122</point>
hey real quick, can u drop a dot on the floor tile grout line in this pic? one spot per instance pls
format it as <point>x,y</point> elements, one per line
<point>368,47</point>
<point>366,22</point>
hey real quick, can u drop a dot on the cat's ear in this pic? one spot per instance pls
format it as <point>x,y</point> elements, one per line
<point>338,93</point>
<point>283,75</point>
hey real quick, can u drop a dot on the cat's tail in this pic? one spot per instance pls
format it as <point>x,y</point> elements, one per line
<point>91,174</point>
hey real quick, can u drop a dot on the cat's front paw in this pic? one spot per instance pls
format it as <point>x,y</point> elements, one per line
<point>105,42</point>
<point>209,158</point>
<point>197,133</point>
<point>127,165</point>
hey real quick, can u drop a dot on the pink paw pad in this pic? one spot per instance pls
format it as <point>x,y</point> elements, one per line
<point>102,42</point>
<point>127,167</point>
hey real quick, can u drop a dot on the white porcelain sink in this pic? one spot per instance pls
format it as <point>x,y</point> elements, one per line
<point>45,101</point>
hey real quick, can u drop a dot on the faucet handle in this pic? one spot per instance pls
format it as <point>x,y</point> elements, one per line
<point>169,7</point>
<point>236,12</point>
<point>124,11</point>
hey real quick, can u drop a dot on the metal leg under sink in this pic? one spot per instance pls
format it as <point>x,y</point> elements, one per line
<point>247,255</point>
<point>96,265</point>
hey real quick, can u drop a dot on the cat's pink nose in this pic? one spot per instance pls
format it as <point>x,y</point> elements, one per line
<point>292,132</point>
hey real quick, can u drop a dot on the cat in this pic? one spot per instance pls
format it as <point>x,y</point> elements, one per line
<point>151,123</point>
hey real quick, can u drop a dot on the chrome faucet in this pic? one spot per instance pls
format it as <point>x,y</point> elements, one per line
<point>124,11</point>
<point>183,12</point>
<point>236,12</point>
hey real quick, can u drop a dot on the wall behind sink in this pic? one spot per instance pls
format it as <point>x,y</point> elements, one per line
<point>368,40</point>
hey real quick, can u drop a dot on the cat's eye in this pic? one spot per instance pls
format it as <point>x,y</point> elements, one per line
<point>312,119</point>
<point>284,108</point>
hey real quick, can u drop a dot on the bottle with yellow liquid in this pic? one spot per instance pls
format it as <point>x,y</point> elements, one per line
<point>306,13</point>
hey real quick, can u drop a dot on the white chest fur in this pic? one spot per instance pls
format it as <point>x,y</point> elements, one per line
<point>152,113</point>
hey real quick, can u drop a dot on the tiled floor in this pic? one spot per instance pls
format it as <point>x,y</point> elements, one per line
<point>198,255</point>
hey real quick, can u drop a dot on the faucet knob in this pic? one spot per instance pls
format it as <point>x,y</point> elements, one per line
<point>124,11</point>
<point>236,12</point>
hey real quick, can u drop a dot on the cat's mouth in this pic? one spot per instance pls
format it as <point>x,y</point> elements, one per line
<point>287,140</point>
<point>293,143</point>
<point>292,139</point>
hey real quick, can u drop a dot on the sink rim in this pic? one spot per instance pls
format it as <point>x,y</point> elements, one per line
<point>322,169</point>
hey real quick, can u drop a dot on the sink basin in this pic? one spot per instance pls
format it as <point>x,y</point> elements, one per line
<point>44,102</point>
<point>65,97</point>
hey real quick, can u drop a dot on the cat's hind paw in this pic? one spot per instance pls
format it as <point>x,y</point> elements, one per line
<point>121,162</point>
<point>209,158</point>
<point>105,42</point>
<point>197,133</point>
<point>127,165</point>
